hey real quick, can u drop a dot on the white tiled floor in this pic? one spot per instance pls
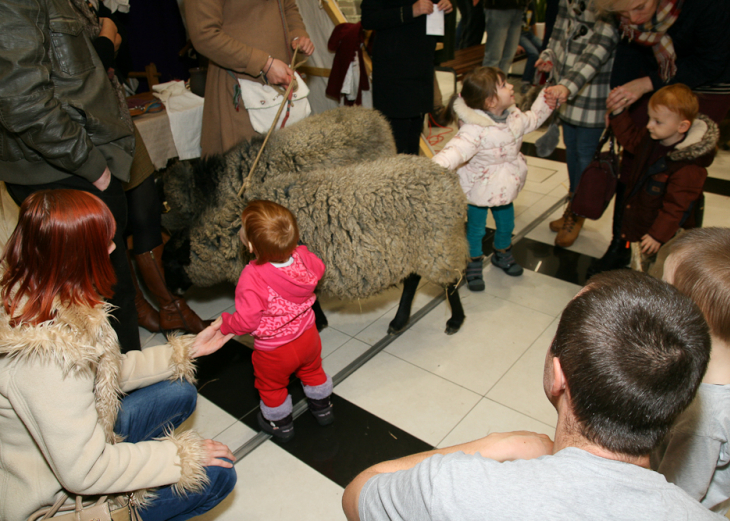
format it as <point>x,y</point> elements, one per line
<point>441,389</point>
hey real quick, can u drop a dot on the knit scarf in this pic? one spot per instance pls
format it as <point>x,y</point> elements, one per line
<point>654,33</point>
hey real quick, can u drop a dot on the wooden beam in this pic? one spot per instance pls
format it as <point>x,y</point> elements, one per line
<point>333,10</point>
<point>426,149</point>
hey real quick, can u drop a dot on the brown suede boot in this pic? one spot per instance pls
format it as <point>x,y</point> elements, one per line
<point>147,316</point>
<point>557,225</point>
<point>174,311</point>
<point>570,230</point>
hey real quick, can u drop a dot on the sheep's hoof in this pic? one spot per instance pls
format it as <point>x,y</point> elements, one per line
<point>320,324</point>
<point>453,326</point>
<point>394,329</point>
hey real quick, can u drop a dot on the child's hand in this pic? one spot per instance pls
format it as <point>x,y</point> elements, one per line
<point>649,245</point>
<point>556,95</point>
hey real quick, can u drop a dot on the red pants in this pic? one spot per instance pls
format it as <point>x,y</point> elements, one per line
<point>272,369</point>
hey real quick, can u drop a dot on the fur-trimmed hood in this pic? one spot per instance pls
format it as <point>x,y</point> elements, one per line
<point>701,140</point>
<point>472,116</point>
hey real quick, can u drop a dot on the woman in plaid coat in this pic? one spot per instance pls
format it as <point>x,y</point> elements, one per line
<point>580,55</point>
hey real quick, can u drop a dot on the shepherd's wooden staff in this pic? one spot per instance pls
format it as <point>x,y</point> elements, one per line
<point>276,120</point>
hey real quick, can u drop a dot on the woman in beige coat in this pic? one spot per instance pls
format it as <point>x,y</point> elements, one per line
<point>66,425</point>
<point>248,39</point>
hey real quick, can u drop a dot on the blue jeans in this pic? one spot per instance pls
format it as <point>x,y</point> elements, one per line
<point>476,223</point>
<point>146,414</point>
<point>531,44</point>
<point>580,147</point>
<point>503,36</point>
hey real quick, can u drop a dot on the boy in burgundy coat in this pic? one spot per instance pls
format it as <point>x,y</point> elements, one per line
<point>660,193</point>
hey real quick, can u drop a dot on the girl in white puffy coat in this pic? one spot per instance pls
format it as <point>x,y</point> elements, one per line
<point>486,155</point>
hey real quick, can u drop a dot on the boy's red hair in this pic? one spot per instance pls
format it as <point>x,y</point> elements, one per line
<point>677,98</point>
<point>271,229</point>
<point>58,251</point>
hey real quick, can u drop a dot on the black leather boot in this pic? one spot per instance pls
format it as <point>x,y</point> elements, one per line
<point>616,257</point>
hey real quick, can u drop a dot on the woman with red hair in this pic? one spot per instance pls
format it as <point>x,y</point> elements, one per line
<point>63,378</point>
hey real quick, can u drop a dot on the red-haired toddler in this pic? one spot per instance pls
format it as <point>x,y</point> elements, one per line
<point>274,298</point>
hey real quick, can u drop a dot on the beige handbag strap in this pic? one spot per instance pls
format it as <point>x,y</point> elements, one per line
<point>48,512</point>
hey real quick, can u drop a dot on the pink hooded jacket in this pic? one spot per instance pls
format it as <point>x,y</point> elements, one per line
<point>274,304</point>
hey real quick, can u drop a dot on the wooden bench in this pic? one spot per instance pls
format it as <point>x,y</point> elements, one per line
<point>466,59</point>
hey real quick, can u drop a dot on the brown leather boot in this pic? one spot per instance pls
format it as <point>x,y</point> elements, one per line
<point>570,230</point>
<point>174,311</point>
<point>557,225</point>
<point>147,316</point>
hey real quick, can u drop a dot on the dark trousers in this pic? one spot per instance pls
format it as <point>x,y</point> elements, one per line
<point>124,317</point>
<point>407,134</point>
<point>471,27</point>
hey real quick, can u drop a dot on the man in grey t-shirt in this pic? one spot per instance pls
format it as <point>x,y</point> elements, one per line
<point>627,358</point>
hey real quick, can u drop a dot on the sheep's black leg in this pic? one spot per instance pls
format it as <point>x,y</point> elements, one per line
<point>320,319</point>
<point>457,310</point>
<point>399,323</point>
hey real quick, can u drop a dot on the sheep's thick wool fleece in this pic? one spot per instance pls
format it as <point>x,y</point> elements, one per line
<point>372,216</point>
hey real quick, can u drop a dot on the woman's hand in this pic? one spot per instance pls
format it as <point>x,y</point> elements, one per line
<point>209,340</point>
<point>623,96</point>
<point>215,450</point>
<point>543,66</point>
<point>422,7</point>
<point>445,6</point>
<point>556,95</point>
<point>103,182</point>
<point>304,45</point>
<point>279,73</point>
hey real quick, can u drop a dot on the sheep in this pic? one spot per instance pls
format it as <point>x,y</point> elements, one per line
<point>374,217</point>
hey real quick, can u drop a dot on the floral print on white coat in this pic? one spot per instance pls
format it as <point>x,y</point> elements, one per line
<point>486,154</point>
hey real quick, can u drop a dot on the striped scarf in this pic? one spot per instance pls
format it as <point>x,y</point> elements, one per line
<point>654,33</point>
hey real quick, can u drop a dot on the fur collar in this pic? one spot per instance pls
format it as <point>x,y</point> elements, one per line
<point>472,116</point>
<point>80,341</point>
<point>701,140</point>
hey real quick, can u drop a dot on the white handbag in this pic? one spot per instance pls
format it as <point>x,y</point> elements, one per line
<point>263,101</point>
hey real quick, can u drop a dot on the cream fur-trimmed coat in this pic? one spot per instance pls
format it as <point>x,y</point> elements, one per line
<point>486,155</point>
<point>60,389</point>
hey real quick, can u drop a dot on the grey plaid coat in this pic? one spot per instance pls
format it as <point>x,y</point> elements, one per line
<point>582,48</point>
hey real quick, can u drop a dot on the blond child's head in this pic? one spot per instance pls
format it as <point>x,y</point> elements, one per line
<point>672,109</point>
<point>699,267</point>
<point>269,231</point>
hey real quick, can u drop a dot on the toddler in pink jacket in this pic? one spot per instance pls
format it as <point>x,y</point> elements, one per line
<point>274,298</point>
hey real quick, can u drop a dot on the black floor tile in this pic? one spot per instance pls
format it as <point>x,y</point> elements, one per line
<point>545,258</point>
<point>355,441</point>
<point>529,150</point>
<point>226,379</point>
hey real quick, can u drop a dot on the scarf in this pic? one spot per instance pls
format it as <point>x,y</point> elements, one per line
<point>654,33</point>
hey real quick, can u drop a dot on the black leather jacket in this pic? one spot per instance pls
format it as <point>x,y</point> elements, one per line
<point>59,115</point>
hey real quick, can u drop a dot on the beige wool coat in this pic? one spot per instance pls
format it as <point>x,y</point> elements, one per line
<point>237,35</point>
<point>60,389</point>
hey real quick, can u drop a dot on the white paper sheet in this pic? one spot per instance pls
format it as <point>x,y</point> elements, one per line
<point>435,22</point>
